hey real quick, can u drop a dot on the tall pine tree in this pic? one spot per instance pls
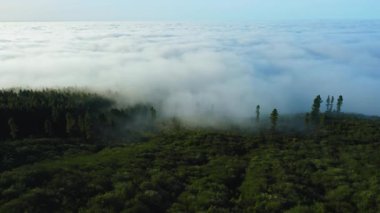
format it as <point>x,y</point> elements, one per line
<point>274,118</point>
<point>331,104</point>
<point>316,109</point>
<point>339,104</point>
<point>328,103</point>
<point>258,113</point>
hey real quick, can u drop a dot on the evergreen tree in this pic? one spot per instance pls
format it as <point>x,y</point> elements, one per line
<point>328,103</point>
<point>274,118</point>
<point>339,104</point>
<point>258,113</point>
<point>315,110</point>
<point>331,104</point>
<point>13,128</point>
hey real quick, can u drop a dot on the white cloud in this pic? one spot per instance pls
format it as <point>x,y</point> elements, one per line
<point>200,72</point>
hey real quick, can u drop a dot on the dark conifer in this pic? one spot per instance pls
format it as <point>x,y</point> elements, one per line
<point>315,110</point>
<point>331,104</point>
<point>258,113</point>
<point>274,118</point>
<point>339,104</point>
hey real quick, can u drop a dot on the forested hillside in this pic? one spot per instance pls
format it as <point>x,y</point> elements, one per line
<point>64,113</point>
<point>93,159</point>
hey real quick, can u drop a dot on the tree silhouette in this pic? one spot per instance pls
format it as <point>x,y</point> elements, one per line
<point>315,110</point>
<point>258,113</point>
<point>328,103</point>
<point>274,118</point>
<point>331,104</point>
<point>339,104</point>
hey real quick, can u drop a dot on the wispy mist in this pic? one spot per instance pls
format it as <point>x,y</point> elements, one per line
<point>201,72</point>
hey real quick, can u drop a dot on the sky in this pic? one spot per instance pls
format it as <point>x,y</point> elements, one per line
<point>188,10</point>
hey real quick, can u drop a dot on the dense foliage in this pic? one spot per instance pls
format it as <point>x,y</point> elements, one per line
<point>327,166</point>
<point>63,113</point>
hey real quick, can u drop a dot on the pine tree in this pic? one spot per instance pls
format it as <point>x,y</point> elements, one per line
<point>339,104</point>
<point>331,104</point>
<point>273,118</point>
<point>328,103</point>
<point>258,113</point>
<point>315,110</point>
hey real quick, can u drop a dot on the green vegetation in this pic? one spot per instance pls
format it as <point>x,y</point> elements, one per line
<point>66,114</point>
<point>94,159</point>
<point>316,109</point>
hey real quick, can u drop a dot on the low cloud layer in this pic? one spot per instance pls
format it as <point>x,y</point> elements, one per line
<point>201,73</point>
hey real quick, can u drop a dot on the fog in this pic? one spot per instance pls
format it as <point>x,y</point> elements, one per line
<point>201,73</point>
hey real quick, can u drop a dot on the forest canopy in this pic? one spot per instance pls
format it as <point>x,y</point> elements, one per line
<point>65,150</point>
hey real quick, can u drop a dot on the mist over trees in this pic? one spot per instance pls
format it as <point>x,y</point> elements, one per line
<point>74,151</point>
<point>208,117</point>
<point>75,114</point>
